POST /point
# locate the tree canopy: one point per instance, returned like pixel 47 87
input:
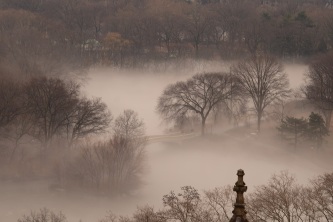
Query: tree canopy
pixel 263 80
pixel 198 95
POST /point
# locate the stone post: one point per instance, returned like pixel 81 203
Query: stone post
pixel 239 212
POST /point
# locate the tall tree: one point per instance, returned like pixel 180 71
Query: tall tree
pixel 198 95
pixel 49 101
pixel 130 127
pixel 264 81
pixel 279 200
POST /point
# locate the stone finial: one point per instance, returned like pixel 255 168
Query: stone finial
pixel 239 212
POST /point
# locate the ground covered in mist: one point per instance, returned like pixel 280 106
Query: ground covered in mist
pixel 203 163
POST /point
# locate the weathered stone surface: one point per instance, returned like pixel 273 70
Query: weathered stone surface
pixel 239 212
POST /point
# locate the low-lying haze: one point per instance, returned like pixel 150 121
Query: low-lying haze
pixel 171 163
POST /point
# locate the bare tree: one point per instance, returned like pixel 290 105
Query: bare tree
pixel 279 109
pixel 112 166
pixel 264 81
pixel 197 22
pixel 319 88
pixel 219 202
pixel 117 164
pixel 116 45
pixel 320 197
pixel 88 117
pixel 168 15
pixel 308 207
pixel 147 213
pixel 14 124
pixel 44 215
pixel 109 218
pixel 279 200
pixel 49 101
pixel 187 207
pixel 114 218
pixel 183 206
pixel 198 95
pixel 56 109
pixel 128 163
pixel 129 126
pixel 10 101
pixel 17 131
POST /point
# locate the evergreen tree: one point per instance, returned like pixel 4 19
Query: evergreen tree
pixel 292 129
pixel 317 129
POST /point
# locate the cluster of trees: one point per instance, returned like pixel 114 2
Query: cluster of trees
pixel 281 199
pixel 43 118
pixel 318 91
pixel 37 36
pixel 44 215
pixel 312 129
pixel 114 166
pixel 319 87
pixel 198 96
pixel 259 78
pixel 48 110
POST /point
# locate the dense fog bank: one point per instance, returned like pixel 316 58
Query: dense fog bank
pixel 172 162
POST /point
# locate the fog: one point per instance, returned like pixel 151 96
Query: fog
pixel 204 163
pixel 139 90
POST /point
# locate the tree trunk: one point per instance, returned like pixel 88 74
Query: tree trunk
pixel 203 124
pixel 196 50
pixel 259 121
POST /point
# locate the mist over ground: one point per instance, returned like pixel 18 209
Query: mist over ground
pixel 139 89
pixel 203 163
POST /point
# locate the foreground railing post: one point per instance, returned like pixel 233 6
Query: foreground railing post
pixel 239 212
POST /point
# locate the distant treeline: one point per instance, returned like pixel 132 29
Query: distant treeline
pixel 37 36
